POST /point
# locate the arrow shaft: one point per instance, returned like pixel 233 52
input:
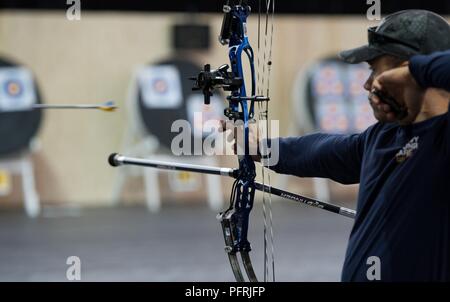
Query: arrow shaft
pixel 49 106
pixel 119 160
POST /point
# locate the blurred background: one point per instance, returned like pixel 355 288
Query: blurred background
pixel 60 198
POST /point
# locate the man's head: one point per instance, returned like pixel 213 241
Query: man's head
pixel 402 35
pixel 396 39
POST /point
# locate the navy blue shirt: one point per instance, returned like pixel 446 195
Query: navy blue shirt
pixel 431 70
pixel 403 209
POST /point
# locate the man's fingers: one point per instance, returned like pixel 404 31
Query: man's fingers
pixel 386 108
pixel 391 117
pixel 236 136
pixel 387 77
pixel 226 125
pixel 374 99
pixel 222 126
pixel 230 137
pixel 377 83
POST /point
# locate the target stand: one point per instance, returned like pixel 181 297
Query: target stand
pixel 19 125
pixel 158 95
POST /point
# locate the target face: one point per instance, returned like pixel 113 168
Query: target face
pixel 18 124
pixel 160 86
pixel 337 97
pixel 17 91
pixel 13 88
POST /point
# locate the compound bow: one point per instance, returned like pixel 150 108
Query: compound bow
pixel 241 108
pixel 235 220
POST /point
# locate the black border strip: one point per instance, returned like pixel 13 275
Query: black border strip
pixel 328 7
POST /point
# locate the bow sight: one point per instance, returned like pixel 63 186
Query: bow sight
pixel 208 80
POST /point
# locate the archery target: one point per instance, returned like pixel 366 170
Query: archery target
pixel 361 109
pixel 16 89
pixel 160 87
pixel 165 95
pixel 18 92
pixel 328 92
pixel 337 99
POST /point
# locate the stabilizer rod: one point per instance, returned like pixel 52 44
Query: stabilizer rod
pixel 116 160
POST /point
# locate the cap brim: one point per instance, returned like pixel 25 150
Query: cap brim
pixel 360 54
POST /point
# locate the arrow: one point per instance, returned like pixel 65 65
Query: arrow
pixel 107 106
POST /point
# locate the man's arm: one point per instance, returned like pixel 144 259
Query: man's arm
pixel 337 157
pixel 431 70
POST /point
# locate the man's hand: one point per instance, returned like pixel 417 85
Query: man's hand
pixel 236 136
pixel 399 84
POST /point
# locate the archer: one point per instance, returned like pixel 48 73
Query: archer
pixel 401 163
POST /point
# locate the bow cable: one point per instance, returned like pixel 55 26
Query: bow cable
pixel 263 116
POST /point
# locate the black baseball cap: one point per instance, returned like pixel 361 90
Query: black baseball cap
pixel 403 34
